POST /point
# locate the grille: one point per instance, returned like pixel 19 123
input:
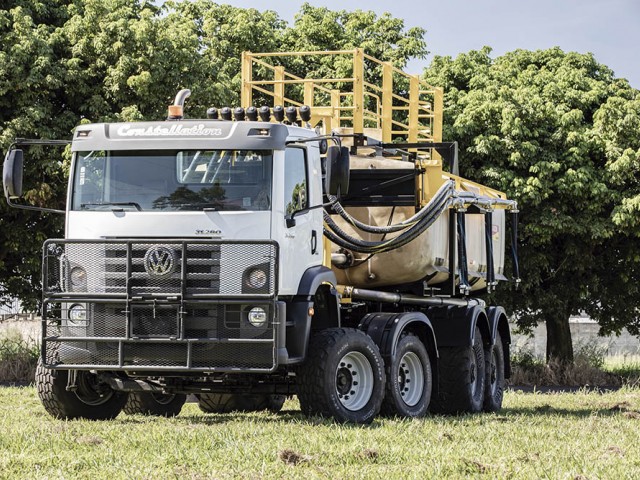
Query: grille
pixel 108 306
pixel 134 268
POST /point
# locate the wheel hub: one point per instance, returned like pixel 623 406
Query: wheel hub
pixel 410 378
pixel 354 381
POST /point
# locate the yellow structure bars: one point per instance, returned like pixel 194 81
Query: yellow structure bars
pixel 365 95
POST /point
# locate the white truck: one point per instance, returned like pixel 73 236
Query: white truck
pixel 248 259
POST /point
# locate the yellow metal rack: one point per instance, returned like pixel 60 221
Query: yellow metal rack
pixel 372 97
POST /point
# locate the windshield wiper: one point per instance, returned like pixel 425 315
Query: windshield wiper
pixel 206 206
pixel 114 204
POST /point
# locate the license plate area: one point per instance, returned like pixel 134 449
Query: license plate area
pixel 155 321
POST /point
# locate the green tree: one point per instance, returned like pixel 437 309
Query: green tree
pixel 559 133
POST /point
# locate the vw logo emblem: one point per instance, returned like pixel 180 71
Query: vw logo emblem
pixel 159 261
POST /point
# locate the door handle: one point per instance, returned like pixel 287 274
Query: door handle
pixel 314 242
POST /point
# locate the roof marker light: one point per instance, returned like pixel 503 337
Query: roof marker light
pixel 225 113
pixel 278 113
pixel 252 113
pixel 238 114
pixel 292 114
pixel 265 113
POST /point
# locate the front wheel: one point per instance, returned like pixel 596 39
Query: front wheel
pixel 91 399
pixel 156 404
pixel 409 379
pixel 343 376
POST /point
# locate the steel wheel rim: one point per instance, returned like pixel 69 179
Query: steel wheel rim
pixel 411 378
pixel 354 381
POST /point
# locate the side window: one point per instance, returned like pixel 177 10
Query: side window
pixel 295 179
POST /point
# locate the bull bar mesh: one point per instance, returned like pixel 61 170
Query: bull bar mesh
pixel 155 304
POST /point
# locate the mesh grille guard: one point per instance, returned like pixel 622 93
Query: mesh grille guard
pixel 156 304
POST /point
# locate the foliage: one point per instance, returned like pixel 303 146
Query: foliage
pixel 557 132
pixel 64 62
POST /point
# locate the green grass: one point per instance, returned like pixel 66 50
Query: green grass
pixel 18 357
pixel 579 435
pixel 625 366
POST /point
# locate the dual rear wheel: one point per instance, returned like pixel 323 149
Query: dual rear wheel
pixel 344 377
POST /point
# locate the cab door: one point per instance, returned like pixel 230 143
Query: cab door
pixel 302 242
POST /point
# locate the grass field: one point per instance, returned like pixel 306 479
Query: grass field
pixel 571 435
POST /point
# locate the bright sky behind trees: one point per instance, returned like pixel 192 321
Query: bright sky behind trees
pixel 608 29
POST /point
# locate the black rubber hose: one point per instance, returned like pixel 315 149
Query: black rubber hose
pixel 342 239
pixel 416 229
pixel 446 190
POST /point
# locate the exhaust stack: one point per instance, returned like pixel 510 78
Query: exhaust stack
pixel 176 111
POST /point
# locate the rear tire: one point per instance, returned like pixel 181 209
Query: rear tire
pixel 343 376
pixel 92 399
pixel 494 382
pixel 462 378
pixel 409 380
pixel 234 402
pixel 156 404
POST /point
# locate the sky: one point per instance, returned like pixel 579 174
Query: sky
pixel 610 29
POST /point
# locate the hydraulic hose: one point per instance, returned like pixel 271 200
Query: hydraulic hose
pixel 344 240
pixel 445 197
pixel 446 190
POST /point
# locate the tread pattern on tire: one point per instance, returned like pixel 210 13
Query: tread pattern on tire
pixel 233 402
pixel 389 407
pixel 145 404
pixel 493 403
pixel 49 384
pixel 311 390
pixel 454 393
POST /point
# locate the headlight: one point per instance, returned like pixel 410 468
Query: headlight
pixel 77 313
pixel 257 317
pixel 78 276
pixel 256 278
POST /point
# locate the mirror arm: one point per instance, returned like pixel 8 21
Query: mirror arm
pixel 37 209
pixel 290 219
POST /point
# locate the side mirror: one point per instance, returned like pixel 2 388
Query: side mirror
pixel 12 174
pixel 337 165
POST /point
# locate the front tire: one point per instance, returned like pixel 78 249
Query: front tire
pixel 156 404
pixel 409 380
pixel 91 399
pixel 343 376
pixel 494 383
pixel 462 378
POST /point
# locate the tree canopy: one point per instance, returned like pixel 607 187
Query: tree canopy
pixel 559 133
pixel 63 62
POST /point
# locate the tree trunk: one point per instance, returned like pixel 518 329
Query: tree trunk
pixel 559 344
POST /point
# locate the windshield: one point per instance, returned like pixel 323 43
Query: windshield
pixel 164 180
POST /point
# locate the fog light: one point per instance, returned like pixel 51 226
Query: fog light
pixel 257 317
pixel 78 276
pixel 257 278
pixel 77 313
